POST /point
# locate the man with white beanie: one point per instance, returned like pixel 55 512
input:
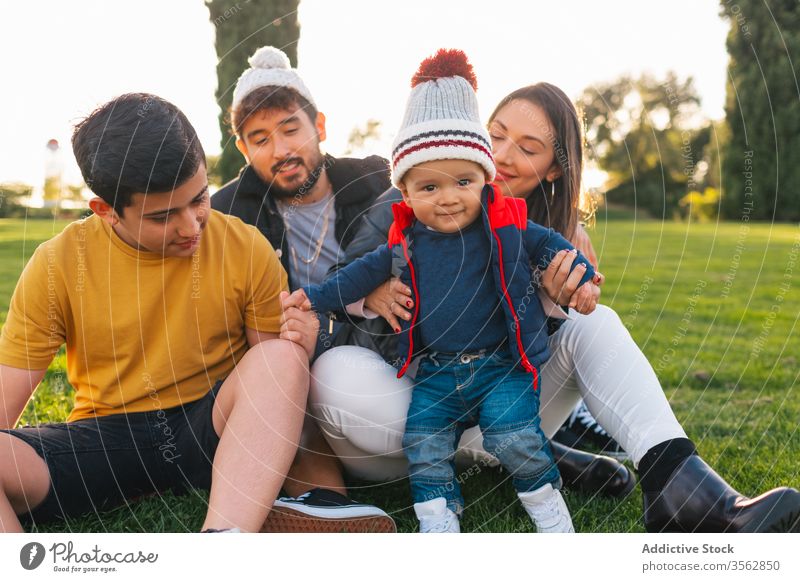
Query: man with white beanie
pixel 309 206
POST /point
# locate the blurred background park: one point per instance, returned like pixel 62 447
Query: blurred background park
pixel 692 118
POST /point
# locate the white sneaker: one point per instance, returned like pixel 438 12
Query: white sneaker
pixel 547 509
pixel 435 517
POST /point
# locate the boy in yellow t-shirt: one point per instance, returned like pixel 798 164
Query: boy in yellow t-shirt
pixel 171 317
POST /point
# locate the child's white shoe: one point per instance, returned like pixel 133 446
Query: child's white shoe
pixel 548 510
pixel 435 517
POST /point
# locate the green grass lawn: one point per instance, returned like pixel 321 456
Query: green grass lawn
pixel 714 307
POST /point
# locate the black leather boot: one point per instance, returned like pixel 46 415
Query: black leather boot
pixel 591 473
pixel 696 499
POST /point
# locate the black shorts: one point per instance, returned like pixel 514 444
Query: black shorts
pixel 97 463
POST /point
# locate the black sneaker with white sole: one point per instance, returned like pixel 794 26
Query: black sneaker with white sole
pixel 325 511
pixel 581 431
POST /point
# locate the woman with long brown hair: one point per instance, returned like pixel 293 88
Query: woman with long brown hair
pixel 361 406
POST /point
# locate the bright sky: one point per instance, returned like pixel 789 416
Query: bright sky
pixel 62 59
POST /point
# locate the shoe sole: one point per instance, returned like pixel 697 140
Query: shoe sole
pixel 285 520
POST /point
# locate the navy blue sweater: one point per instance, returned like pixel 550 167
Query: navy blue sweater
pixel 517 246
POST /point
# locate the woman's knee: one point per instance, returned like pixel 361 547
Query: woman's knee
pixel 356 397
pixel 603 316
pixel 359 381
pixel 599 330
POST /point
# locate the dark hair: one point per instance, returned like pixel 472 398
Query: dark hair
pixel 559 210
pixel 135 144
pixel 268 98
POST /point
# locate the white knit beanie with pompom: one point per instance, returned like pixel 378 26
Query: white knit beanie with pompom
pixel 269 67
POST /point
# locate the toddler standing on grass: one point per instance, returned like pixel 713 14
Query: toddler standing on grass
pixel 468 254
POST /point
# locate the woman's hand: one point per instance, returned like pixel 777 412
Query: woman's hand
pixel 299 323
pixel 583 243
pixel 560 285
pixel 391 300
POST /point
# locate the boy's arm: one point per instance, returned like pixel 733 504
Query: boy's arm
pixel 542 245
pixel 16 388
pixel 353 282
pixel 32 334
pixel 266 279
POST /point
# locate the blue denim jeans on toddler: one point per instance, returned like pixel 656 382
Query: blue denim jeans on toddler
pixel 456 391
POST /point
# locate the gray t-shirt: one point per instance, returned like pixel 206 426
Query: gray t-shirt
pixel 306 224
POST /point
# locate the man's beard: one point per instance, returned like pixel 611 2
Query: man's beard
pixel 303 189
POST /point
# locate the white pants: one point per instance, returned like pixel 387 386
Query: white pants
pixel 361 405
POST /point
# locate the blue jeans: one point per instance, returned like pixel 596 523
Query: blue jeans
pixel 452 394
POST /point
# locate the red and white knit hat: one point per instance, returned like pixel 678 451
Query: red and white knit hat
pixel 441 120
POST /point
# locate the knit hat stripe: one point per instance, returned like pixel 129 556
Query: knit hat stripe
pixel 440 143
pixel 440 133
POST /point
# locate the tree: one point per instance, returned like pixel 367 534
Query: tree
pixel 10 195
pixel 361 136
pixel 761 165
pixel 649 135
pixel 242 27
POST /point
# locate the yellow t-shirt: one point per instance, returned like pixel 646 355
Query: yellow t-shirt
pixel 143 332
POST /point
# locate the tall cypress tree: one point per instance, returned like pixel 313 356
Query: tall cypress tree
pixel 242 26
pixel 761 163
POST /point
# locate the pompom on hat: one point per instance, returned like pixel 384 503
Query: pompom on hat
pixel 269 67
pixel 441 120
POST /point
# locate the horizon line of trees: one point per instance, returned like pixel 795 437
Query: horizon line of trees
pixel 649 135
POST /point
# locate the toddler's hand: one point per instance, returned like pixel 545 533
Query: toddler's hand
pixel 299 323
pixel 584 300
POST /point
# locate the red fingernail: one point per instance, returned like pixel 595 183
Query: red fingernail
pixel 408 303
pixel 397 330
